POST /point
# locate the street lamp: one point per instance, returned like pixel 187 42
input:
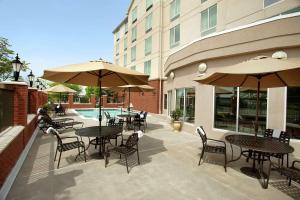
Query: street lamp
pixel 31 78
pixel 37 83
pixel 17 66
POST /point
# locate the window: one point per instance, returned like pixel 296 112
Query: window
pixel 209 20
pixel 147 67
pixel 117 61
pixel 117 48
pixel 202 1
pixel 133 53
pixel 174 9
pixel 235 109
pixel 165 101
pixel 117 35
pixel 133 67
pixel 270 2
pixel 185 101
pixel 125 59
pixel 125 44
pixel 148 46
pixel 293 112
pixel 126 28
pixel 134 15
pixel 149 4
pixel 133 34
pixel 148 24
pixel 174 36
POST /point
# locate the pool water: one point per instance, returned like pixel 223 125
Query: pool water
pixel 94 113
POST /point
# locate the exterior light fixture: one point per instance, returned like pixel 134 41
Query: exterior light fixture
pixel 279 55
pixel 172 75
pixel 17 66
pixel 31 78
pixel 38 83
pixel 202 68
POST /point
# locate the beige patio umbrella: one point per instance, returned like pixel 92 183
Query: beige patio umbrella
pixel 134 88
pixel 96 73
pixel 259 72
pixel 60 89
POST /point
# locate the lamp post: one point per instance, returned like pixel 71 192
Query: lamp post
pixel 37 83
pixel 17 66
pixel 31 78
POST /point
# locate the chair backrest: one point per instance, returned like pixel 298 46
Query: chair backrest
pixel 268 133
pixel 56 133
pixel 132 140
pixel 284 137
pixel 145 115
pixel 202 134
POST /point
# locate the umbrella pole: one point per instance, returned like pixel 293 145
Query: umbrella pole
pixel 59 98
pixel 100 99
pixel 257 105
pixel 128 100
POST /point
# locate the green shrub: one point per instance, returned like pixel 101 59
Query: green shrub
pixel 176 114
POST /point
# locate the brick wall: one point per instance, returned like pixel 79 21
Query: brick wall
pixel 148 101
pixel 11 153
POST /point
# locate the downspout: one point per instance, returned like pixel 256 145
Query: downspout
pixel 160 57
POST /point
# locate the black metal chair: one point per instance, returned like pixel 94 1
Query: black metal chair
pixel 292 173
pixel 211 146
pixel 139 122
pixel 119 123
pixel 61 147
pixel 128 149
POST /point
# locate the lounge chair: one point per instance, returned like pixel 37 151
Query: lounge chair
pixel 292 173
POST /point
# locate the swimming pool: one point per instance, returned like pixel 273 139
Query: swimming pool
pixel 94 113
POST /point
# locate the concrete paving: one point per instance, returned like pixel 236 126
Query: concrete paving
pixel 168 170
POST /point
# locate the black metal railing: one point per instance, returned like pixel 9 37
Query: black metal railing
pixel 6 108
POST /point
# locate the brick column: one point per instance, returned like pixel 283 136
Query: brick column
pixel 70 100
pixel 20 102
pixel 104 100
pixel 93 100
pixel 33 100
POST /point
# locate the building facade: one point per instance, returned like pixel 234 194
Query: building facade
pixel 185 35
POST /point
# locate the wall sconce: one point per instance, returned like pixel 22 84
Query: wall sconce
pixel 31 78
pixel 172 75
pixel 202 68
pixel 17 66
pixel 279 55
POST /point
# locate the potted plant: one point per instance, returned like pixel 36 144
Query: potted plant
pixel 175 115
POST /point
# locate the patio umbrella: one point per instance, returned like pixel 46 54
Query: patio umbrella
pixel 96 73
pixel 60 89
pixel 259 72
pixel 134 88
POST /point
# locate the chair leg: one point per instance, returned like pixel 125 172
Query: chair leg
pixel 287 160
pixel 201 156
pixel 84 154
pixel 59 159
pixel 55 154
pixel 225 160
pixel 138 156
pixel 290 182
pixel 126 163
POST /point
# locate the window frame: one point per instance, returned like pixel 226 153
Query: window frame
pixel 131 54
pixel 125 59
pixel 175 44
pixel 148 7
pixel 277 2
pixel 173 5
pixel 148 17
pixel 133 32
pixel 146 64
pixel 150 51
pixel 125 42
pixel 208 31
pixel 134 11
pixel 184 103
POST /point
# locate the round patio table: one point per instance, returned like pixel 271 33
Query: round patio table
pixel 101 135
pixel 262 146
pixel 128 117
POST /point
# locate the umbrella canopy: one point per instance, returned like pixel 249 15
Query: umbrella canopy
pixel 60 89
pixel 89 74
pixel 270 72
pixel 259 72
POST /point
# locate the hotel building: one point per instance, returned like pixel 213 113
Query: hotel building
pixel 174 40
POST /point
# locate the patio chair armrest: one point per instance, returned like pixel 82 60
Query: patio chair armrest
pixel 220 141
pixel 68 137
pixel 294 162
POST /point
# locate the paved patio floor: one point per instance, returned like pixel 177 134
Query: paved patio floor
pixel 169 170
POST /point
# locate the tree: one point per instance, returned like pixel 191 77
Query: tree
pixel 6 57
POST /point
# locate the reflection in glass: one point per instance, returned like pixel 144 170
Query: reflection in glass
pixel 247 110
pixel 225 108
pixel 189 105
pixel 180 99
pixel 293 112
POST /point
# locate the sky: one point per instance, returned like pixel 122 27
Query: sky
pixel 52 33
